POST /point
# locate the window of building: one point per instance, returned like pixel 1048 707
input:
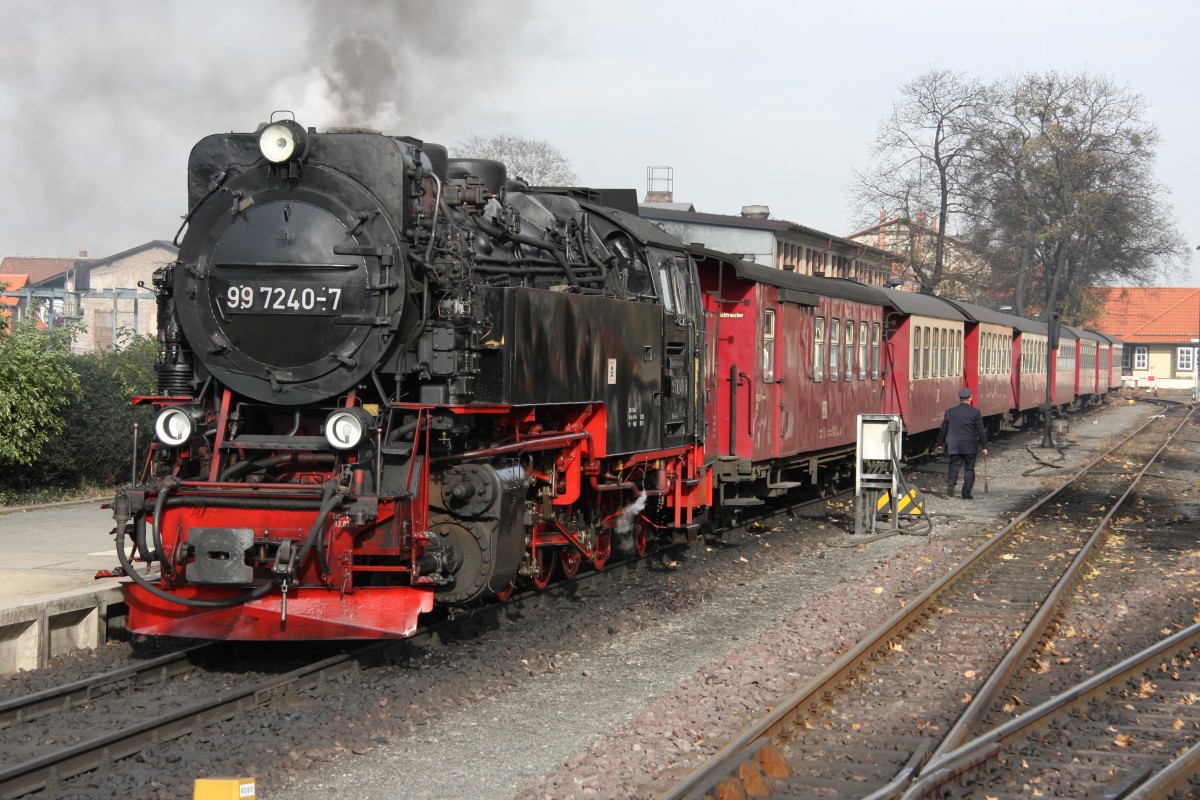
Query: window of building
pixel 1185 358
pixel 1126 359
pixel 835 338
pixel 819 348
pixel 1141 358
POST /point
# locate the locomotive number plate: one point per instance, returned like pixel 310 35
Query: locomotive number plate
pixel 282 298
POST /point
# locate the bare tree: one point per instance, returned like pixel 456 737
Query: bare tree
pixel 916 159
pixel 536 162
pixel 1061 187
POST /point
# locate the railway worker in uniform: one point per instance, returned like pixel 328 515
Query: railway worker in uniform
pixel 963 435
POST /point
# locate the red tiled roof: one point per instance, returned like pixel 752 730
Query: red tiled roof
pixel 1150 313
pixel 10 283
pixel 38 269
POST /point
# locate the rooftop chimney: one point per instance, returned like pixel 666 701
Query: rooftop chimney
pixel 660 184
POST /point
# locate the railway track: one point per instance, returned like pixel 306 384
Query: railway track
pixel 182 692
pixel 921 685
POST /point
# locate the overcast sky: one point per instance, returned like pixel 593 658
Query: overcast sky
pixel 768 103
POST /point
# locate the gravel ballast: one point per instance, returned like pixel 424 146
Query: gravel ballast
pixel 622 707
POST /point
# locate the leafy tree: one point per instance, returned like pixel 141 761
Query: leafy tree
pixel 1050 177
pixel 537 162
pixel 916 162
pixel 1062 193
pixel 36 382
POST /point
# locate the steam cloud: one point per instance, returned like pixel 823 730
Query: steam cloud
pixel 100 103
pixel 629 513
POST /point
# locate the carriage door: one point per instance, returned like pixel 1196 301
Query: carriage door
pixel 681 393
pixel 766 414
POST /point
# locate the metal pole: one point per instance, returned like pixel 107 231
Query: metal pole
pixel 134 460
pixel 1051 350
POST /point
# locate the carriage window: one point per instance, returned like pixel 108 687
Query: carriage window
pixel 935 369
pixel 862 350
pixel 849 349
pixel 875 350
pixel 818 348
pixel 835 349
pixel 768 346
pixel 944 358
pixel 916 357
pixel 928 353
pixel 958 356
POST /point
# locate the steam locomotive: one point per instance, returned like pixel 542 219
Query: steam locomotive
pixel 390 380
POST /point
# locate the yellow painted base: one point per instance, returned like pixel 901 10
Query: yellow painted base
pixel 224 789
pixel 911 503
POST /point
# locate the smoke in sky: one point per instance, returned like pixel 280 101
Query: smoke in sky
pixel 100 103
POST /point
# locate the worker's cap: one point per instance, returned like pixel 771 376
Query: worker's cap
pixel 964 394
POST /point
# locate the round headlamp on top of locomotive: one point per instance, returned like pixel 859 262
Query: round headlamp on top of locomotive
pixel 292 280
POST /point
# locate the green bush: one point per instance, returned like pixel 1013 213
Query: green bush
pixel 36 382
pixel 94 443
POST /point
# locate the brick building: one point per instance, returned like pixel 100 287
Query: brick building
pixel 103 294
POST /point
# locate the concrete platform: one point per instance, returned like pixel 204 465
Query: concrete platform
pixel 50 600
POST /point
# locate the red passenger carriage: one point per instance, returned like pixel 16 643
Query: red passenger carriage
pixel 925 350
pixel 797 359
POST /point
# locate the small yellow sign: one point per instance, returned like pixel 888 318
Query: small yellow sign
pixel 224 789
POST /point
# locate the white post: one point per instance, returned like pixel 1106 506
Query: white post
pixel 1195 370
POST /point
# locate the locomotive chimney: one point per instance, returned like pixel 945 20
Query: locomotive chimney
pixel 756 212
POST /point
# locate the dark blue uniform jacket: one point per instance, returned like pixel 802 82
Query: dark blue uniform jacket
pixel 961 429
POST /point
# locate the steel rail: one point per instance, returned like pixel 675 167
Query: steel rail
pixel 60 698
pixel 983 699
pixel 45 771
pixel 813 693
pixel 990 744
pixel 988 694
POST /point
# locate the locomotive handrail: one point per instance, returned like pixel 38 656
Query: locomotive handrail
pixel 524 446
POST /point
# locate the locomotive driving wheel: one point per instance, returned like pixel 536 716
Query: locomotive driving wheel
pixel 641 539
pixel 505 594
pixel 570 561
pixel 545 559
pixel 602 549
